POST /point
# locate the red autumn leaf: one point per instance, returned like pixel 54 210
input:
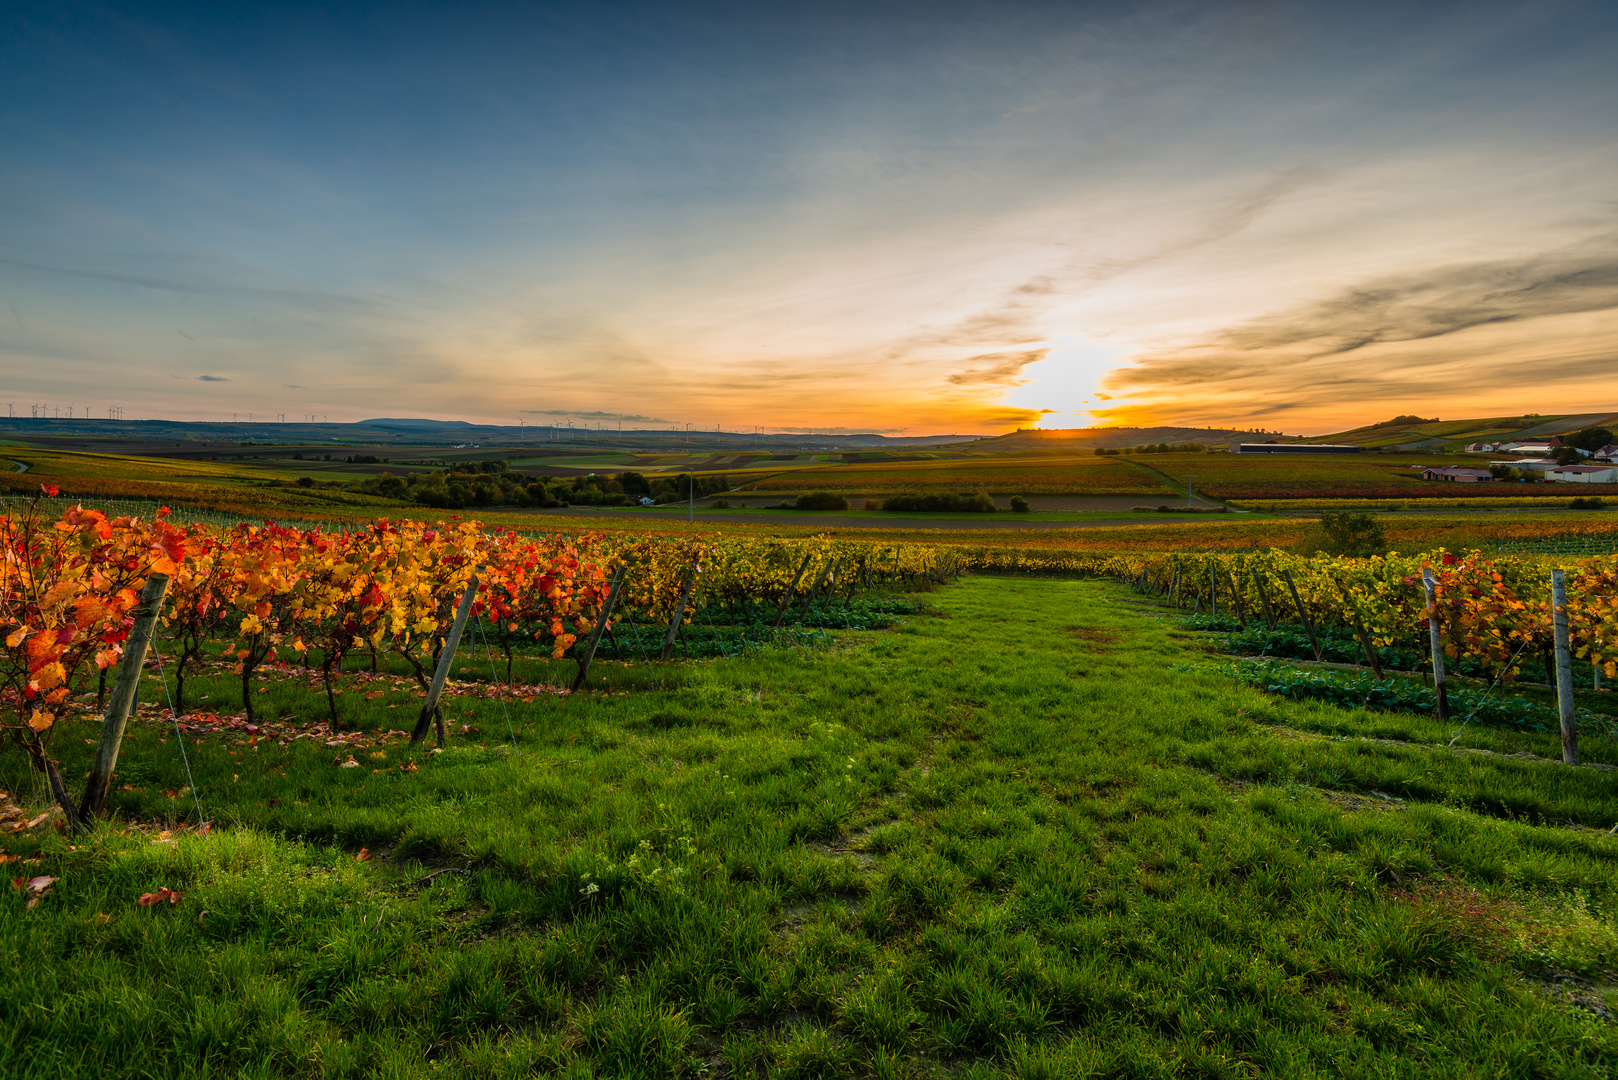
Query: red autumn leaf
pixel 173 896
pixel 363 856
pixel 49 490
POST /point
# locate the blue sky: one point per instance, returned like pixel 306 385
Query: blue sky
pixel 903 217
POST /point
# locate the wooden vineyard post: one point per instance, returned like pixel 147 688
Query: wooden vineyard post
pixel 1174 584
pixel 429 707
pixel 1303 616
pixel 1361 633
pixel 1213 590
pixel 601 625
pixel 1564 670
pixel 123 700
pixel 814 591
pixel 1236 596
pixel 781 612
pixel 1436 643
pixel 1264 598
pixel 679 612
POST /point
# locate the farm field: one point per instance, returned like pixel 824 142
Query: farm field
pixel 999 475
pixel 1252 480
pixel 238 488
pixel 1027 832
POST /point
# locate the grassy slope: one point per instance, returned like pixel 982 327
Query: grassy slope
pixel 1455 433
pixel 1013 839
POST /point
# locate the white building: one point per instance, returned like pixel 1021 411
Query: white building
pixel 1584 474
pixel 1527 464
pixel 1455 475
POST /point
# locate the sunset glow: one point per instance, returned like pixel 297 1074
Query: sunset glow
pixel 906 219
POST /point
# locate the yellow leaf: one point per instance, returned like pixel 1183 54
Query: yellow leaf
pixel 16 637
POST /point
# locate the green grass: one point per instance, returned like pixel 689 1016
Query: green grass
pixel 1006 839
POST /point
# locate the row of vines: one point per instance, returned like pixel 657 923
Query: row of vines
pixel 1493 612
pixel 262 596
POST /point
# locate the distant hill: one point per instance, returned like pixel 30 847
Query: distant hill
pixel 1455 434
pixel 419 431
pixel 418 425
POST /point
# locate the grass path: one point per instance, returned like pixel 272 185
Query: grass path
pixel 1025 836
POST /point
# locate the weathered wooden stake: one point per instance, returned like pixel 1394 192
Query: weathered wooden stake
pixel 679 612
pixel 781 612
pixel 1564 670
pixel 1303 616
pixel 1361 634
pixel 1236 596
pixel 429 707
pixel 1436 643
pixel 1213 589
pixel 601 625
pixel 1264 598
pixel 123 697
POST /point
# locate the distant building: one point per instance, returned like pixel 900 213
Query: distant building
pixel 1584 474
pixel 1606 453
pixel 1532 464
pixel 1294 448
pixel 1458 476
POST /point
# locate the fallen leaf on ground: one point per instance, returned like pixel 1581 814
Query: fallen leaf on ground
pixel 33 888
pixel 173 896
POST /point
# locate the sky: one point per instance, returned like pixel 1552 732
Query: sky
pixel 909 218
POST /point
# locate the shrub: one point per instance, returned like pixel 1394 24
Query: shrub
pixel 978 503
pixel 1356 535
pixel 1594 502
pixel 1019 505
pixel 822 500
pixel 721 504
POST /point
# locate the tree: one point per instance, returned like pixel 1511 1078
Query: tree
pixel 1569 455
pixel 1590 438
pixel 1358 535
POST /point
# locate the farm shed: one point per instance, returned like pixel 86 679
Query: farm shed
pixel 1527 464
pixel 1295 448
pixel 1456 475
pixel 1584 474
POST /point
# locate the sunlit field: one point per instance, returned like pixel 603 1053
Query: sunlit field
pixel 1042 475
